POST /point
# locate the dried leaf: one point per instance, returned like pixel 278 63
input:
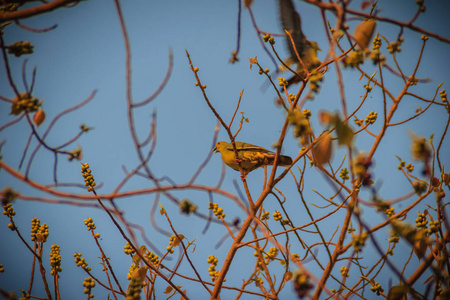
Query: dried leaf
pixel 365 4
pixel 344 132
pixel 326 118
pixel 323 149
pixel 420 244
pixel 288 275
pixel 39 117
pixel 177 240
pixel 168 290
pixel 363 33
pixel 397 292
pixel 139 274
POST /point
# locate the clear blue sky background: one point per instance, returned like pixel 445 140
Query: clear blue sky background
pixel 85 53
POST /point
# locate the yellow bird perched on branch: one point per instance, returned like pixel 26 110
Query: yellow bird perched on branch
pixel 307 50
pixel 250 156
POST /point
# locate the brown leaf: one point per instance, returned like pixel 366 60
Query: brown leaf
pixel 288 275
pixel 344 132
pixel 420 244
pixel 397 292
pixel 365 4
pixel 168 290
pixel 39 117
pixel 323 149
pixel 177 240
pixel 326 118
pixel 363 33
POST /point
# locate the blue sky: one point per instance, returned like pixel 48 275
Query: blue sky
pixel 86 53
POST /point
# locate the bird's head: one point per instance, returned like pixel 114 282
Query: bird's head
pixel 220 146
pixel 315 46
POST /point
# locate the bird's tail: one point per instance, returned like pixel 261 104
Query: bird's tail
pixel 283 160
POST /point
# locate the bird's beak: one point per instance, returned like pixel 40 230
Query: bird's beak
pixel 215 150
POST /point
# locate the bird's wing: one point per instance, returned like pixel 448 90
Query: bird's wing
pixel 290 21
pixel 246 147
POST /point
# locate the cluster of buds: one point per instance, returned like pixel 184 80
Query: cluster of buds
pixel 302 283
pixel 55 260
pixel 258 281
pixel 434 227
pixel 24 102
pixel 375 55
pixel 299 120
pixel 344 174
pixel 376 44
pixel 361 164
pixel 218 211
pixel 171 242
pixel 8 195
pixel 76 154
pixel 273 252
pixel 131 270
pixel 38 232
pixel 277 216
pixel 88 284
pixel 395 46
pixel 152 257
pixel 90 224
pixel 295 257
pixel 420 187
pixel 212 268
pixel 371 117
pixel 187 207
pixel 134 289
pixel 88 177
pixel 344 271
pixel 390 211
pixel 421 4
pixel 443 96
pixel 394 238
pixel 265 71
pixel 354 59
pixel 409 167
pixel 282 81
pixel 20 48
pixel 81 262
pixel 265 216
pixel 413 81
pixel 376 288
pixel 269 38
pixel 314 82
pixel 421 220
pixel 8 210
pixel 128 249
pixel 359 241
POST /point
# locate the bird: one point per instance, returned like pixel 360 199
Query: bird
pixel 307 50
pixel 250 156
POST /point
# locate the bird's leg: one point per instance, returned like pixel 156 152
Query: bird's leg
pixel 243 177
